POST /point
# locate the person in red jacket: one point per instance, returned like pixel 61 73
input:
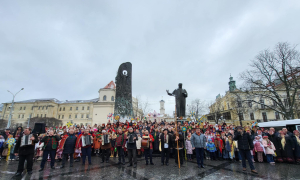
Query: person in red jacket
pixel 120 144
pixel 148 151
pixel 85 149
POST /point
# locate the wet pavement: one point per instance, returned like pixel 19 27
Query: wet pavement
pixel 213 170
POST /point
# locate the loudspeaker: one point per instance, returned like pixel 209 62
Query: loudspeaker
pixel 39 128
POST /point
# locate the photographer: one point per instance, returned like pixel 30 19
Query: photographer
pixel 245 144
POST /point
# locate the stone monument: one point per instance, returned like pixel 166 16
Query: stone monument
pixel 123 102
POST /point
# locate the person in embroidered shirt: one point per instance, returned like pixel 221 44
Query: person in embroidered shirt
pixel 85 148
pixel 105 145
pixel 148 151
pixel 120 144
pixel 50 145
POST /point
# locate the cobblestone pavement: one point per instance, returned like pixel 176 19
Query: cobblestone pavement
pixel 213 170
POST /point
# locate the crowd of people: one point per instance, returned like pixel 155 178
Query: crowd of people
pixel 184 141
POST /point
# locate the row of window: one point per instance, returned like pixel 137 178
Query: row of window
pixel 71 108
pixel 70 116
pixel 264 115
pixel 261 102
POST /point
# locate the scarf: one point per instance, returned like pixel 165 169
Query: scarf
pixel 283 142
pixel 166 138
pixel 298 140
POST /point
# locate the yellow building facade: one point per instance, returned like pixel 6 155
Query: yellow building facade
pixel 87 112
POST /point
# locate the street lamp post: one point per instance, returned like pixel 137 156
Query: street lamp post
pixel 12 105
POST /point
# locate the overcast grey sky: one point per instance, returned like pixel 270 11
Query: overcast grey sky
pixel 70 49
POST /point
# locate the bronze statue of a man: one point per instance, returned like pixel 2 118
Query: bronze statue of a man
pixel 180 95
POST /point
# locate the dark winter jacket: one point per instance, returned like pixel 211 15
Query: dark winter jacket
pixel 162 140
pixel 70 144
pixel 244 141
pixel 25 150
pixel 180 141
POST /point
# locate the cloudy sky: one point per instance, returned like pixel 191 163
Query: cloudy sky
pixel 70 49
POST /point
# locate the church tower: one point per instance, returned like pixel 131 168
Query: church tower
pixel 231 84
pixel 162 107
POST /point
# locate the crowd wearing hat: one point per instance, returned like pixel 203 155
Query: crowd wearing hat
pixel 183 141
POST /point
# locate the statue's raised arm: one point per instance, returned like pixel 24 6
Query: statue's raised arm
pixel 170 94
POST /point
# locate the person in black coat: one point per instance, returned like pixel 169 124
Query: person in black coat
pixel 178 137
pixel 25 152
pixel 296 140
pixel 131 147
pixel 68 147
pixel 166 143
pixel 245 144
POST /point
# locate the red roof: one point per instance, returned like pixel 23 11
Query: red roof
pixel 110 85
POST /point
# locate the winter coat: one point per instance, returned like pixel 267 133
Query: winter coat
pixel 270 149
pixel 69 145
pixel 244 141
pixel 297 147
pixel 132 145
pixel 162 141
pixel 258 146
pixel 188 146
pixel 156 141
pixel 180 141
pixel 198 141
pixel 211 147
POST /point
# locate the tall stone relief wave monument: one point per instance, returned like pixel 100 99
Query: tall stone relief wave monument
pixel 123 102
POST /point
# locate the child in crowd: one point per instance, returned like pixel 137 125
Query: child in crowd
pixel 211 148
pixel 188 145
pixel 258 148
pixel 270 149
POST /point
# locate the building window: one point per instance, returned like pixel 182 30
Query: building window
pixel 62 116
pixel 262 104
pixel 250 104
pixel 24 108
pixel 39 107
pixel 58 116
pixel 70 116
pixel 30 115
pixel 228 106
pixel 112 98
pixel 23 116
pixel 274 103
pixel 20 108
pixel 252 116
pixel 104 98
pixel 87 116
pixel 285 102
pixel 59 109
pixel 81 116
pixel 277 116
pixel 88 108
pixel 75 116
pixel 76 108
pixel 43 107
pixel 70 108
pixel 241 116
pixel 239 104
pixel 37 115
pixel 32 108
pixel 46 107
pixel 82 107
pixel 41 115
pixel 45 115
pixel 64 109
pixel 19 116
pixel 264 115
